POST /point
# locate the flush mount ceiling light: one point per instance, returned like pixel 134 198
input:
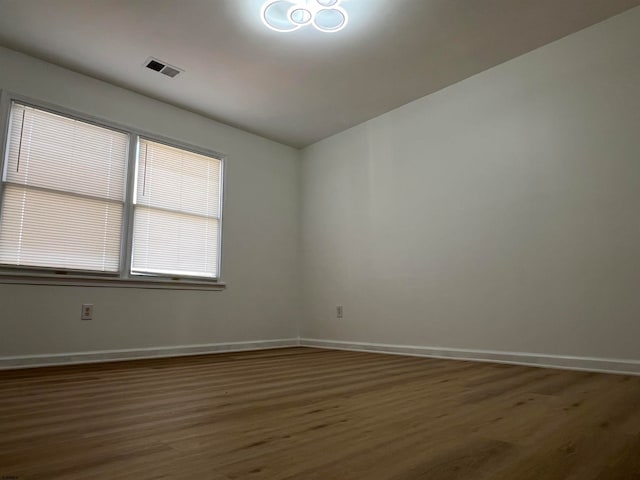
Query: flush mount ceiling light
pixel 290 15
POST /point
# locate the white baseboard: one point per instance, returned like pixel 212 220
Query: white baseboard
pixel 605 365
pixel 28 361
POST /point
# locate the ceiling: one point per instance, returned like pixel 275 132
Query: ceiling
pixel 295 88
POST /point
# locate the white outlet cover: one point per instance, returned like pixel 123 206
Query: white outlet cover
pixel 87 311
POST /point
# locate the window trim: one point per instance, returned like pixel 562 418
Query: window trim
pixel 124 278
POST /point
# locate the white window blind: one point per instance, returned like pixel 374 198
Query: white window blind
pixel 63 193
pixel 176 224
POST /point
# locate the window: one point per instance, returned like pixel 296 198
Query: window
pixel 79 198
pixel 177 212
pixel 63 193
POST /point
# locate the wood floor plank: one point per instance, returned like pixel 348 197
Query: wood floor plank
pixel 302 413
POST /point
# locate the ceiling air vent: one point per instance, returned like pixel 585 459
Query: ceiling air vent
pixel 162 67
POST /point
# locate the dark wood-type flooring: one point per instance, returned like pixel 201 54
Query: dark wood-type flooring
pixel 315 414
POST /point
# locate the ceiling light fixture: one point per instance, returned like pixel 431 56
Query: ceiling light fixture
pixel 290 15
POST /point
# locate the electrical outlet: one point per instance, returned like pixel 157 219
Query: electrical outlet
pixel 339 312
pixel 87 311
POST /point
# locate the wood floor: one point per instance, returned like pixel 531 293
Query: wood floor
pixel 317 414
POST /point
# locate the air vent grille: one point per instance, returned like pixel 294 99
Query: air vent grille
pixel 170 71
pixel 162 67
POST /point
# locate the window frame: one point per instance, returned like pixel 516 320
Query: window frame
pixel 123 278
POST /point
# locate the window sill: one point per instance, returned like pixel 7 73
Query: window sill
pixel 88 281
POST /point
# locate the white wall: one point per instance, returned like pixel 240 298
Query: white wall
pixel 260 251
pixel 501 213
